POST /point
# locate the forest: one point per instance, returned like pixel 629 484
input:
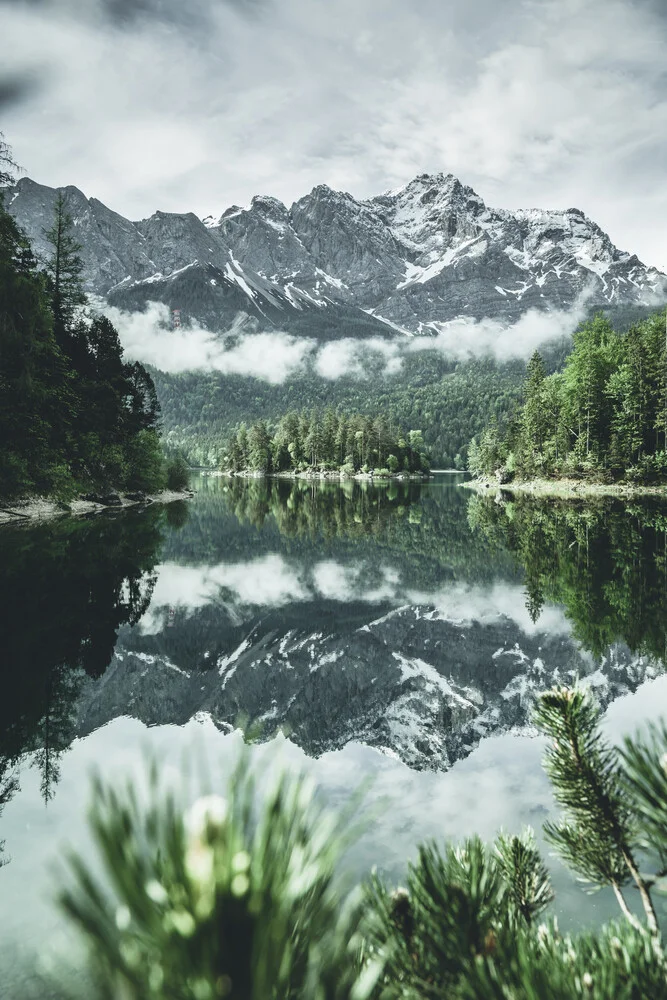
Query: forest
pixel 451 400
pixel 74 415
pixel 348 443
pixel 603 417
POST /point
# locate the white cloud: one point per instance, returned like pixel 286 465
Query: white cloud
pixel 551 103
pixel 146 337
pixel 273 581
pixel 275 356
pixel 352 357
pixel 466 603
pixel 265 582
pixel 466 338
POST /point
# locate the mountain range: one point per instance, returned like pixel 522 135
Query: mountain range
pixel 331 265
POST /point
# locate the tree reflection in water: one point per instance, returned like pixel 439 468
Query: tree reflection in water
pixel 67 587
pixel 605 562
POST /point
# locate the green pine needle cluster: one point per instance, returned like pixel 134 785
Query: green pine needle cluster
pixel 244 896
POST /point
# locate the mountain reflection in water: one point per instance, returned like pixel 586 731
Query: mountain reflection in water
pixel 397 631
pixel 413 618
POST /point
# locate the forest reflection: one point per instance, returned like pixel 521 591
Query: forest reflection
pixel 67 587
pixel 604 561
pixel 317 508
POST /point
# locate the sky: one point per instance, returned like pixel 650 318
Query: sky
pixel 160 104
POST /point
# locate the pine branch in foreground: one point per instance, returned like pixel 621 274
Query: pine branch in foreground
pixel 241 897
pixel 214 902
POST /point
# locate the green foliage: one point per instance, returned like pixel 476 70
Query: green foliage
pixel 644 780
pixel 524 873
pixel 145 462
pixel 178 474
pixel 603 561
pixel 64 268
pixel 73 415
pixel 450 401
pixel 604 415
pixel 88 578
pixel 215 903
pixel 329 441
pixel 595 838
pixel 240 897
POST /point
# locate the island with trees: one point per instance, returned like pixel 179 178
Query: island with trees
pixel 326 445
pixel 599 424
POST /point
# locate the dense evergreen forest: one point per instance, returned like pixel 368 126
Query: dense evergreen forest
pixel 73 415
pixel 452 401
pixel 604 416
pixel 347 443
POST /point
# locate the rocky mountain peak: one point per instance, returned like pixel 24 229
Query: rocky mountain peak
pixel 419 255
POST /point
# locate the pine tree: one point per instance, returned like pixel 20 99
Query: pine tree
pixel 64 268
pixel 533 417
pixel 242 901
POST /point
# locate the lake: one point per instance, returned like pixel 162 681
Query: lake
pixel 395 634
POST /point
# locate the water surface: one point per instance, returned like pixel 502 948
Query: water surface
pixel 397 633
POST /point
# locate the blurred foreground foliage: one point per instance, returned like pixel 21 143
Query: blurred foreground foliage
pixel 231 898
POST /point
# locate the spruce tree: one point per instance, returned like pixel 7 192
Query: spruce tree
pixel 64 268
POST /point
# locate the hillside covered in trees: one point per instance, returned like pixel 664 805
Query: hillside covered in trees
pixel 331 441
pixel 73 414
pixel 604 416
pixel 451 400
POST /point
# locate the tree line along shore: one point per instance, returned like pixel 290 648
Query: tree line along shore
pixel 328 444
pixel 597 426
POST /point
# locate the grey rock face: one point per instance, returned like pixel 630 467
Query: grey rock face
pixel 417 257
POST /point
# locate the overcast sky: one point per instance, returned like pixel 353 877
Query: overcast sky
pixel 163 104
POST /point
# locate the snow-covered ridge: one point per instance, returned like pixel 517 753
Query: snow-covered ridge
pixel 418 256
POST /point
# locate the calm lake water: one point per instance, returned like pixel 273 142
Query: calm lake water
pixel 394 633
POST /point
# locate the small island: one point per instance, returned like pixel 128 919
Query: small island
pixel 598 427
pixel 329 445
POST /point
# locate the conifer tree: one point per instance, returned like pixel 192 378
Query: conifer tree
pixel 64 268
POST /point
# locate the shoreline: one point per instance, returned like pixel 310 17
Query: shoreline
pixel 330 475
pixel 34 509
pixel 566 489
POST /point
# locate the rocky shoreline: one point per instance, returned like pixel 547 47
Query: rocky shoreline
pixel 566 489
pixel 44 508
pixel 332 475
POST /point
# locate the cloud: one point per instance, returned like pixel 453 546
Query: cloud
pixel 355 357
pixel 273 581
pixel 146 337
pixel 464 603
pixel 275 356
pixel 551 103
pixel 467 338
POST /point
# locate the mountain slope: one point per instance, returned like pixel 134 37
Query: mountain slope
pixel 414 258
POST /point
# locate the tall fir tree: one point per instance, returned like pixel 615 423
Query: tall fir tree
pixel 64 268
